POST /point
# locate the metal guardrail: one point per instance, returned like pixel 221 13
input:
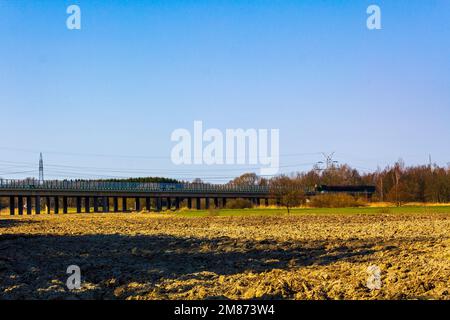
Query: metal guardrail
pixel 74 185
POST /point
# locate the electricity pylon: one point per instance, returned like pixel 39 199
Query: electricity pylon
pixel 41 169
pixel 329 162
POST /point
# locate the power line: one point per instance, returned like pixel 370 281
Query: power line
pixel 147 170
pixel 127 156
pixel 17 172
pixel 205 172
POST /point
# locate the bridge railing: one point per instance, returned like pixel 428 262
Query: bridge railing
pixel 76 185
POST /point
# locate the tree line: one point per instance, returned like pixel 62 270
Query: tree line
pixel 396 183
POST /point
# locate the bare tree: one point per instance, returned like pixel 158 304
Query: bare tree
pixel 287 191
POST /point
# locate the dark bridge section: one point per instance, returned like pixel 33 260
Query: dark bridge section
pixel 354 190
pixel 90 196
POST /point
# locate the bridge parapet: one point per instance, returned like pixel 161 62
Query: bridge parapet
pixel 103 186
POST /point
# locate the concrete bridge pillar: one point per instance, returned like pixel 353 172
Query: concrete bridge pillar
pixel 177 203
pixel 169 203
pixel 266 200
pixel 278 202
pixel 105 204
pixel 87 205
pixel 116 204
pixel 224 202
pixel 124 204
pixel 20 205
pixel 148 205
pixel 158 204
pixel 48 204
pixel 65 204
pixel 138 204
pixel 198 203
pixel 29 205
pixel 37 203
pixel 189 203
pixel 78 201
pixel 207 203
pixel 216 202
pixel 95 200
pixel 12 207
pixel 56 209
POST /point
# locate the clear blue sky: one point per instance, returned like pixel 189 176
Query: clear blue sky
pixel 109 95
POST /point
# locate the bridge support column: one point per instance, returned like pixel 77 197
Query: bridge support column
pixel 95 204
pixel 177 203
pixel 29 205
pixel 87 205
pixel 48 204
pixel 198 203
pixel 65 205
pixel 266 200
pixel 148 205
pixel 224 202
pixel 12 207
pixel 57 205
pixel 168 203
pixel 116 204
pixel 20 205
pixel 216 203
pixel 37 204
pixel 124 204
pixel 105 204
pixel 278 202
pixel 78 200
pixel 158 204
pixel 206 203
pixel 189 203
pixel 137 204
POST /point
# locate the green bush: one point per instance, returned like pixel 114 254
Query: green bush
pixel 335 200
pixel 239 204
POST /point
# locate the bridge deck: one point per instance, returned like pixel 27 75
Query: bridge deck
pixel 57 187
pixel 29 194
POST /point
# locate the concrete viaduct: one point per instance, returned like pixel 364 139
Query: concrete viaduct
pixel 89 196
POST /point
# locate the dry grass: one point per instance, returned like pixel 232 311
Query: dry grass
pixel 150 256
pixel 408 204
